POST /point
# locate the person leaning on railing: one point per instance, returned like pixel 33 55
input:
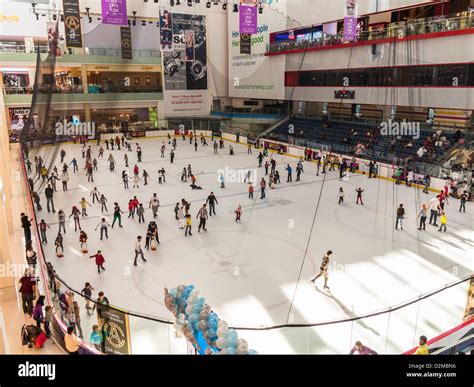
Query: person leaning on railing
pixel 423 347
pixel 360 349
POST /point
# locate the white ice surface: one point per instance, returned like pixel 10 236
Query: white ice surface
pixel 250 272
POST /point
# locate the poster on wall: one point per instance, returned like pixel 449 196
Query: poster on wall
pixel 245 46
pixel 115 330
pixel 126 42
pixel 114 12
pixel 53 39
pixel 254 75
pixel 184 54
pixel 72 23
pixel 350 28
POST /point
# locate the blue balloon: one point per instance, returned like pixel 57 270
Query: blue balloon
pixel 252 352
pixel 193 317
pixel 212 324
pixel 173 292
pixel 212 332
pixel 230 351
pixel 189 288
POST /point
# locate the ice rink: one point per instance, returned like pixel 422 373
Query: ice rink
pixel 257 272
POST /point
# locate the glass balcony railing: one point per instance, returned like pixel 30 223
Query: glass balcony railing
pixel 393 30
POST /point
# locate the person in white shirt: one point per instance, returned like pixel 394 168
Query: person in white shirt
pixel 138 250
pixel 71 341
pixel 433 205
pixel 64 180
pixel 154 204
pixel 103 228
pixel 95 195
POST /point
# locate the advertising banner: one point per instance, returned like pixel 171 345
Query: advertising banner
pixel 248 19
pixel 350 28
pixel 115 330
pixel 126 42
pixel 72 23
pixel 114 12
pixel 184 54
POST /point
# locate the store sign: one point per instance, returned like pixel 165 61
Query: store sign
pixel 72 23
pixel 115 331
pixel 8 18
pixel 248 19
pixel 245 46
pixel 114 12
pixel 126 42
pixel 344 94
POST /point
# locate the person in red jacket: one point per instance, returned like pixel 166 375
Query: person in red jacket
pixel 99 260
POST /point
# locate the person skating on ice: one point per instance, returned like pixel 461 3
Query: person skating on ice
pixel 323 270
pixel 188 226
pixel 435 209
pixel 359 196
pixel 176 211
pixel 103 203
pixel 62 220
pixel 125 179
pixel 400 216
pixel 263 185
pixel 36 199
pixel 154 205
pixel 75 214
pixel 184 175
pixel 162 174
pixel 203 217
pixel 83 241
pixel 111 161
pixel 238 213
pixel 125 157
pixel 145 176
pixel 222 180
pixel 215 146
pixel 117 215
pixel 463 200
pixel 136 179
pixel 99 260
pixel 171 156
pixel 163 148
pixel 190 171
pixel 75 168
pixel 195 146
pixel 43 226
pixel 58 242
pixel 231 150
pixel 141 213
pixel 340 195
pixel 49 193
pixel 104 228
pixel 84 203
pixel 299 169
pixel 87 293
pixel 138 250
pixel 212 201
pixel 443 222
pixel 250 191
pixel 95 195
pixel 267 165
pixel 423 214
pixel 131 209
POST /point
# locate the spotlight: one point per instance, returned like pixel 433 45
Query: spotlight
pixel 224 6
pixel 235 8
pixel 190 3
pixel 87 11
pixel 61 17
pixel 260 9
pixel 34 6
pixel 134 23
pixel 178 2
pixel 156 1
pixel 208 4
pixel 158 24
pixel 55 17
pixel 37 16
pixel 145 1
pixel 171 3
pixel 90 19
pixel 143 22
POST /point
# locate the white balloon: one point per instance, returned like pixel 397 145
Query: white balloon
pixel 222 332
pixel 222 324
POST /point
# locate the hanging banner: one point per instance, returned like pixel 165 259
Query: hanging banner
pixel 72 23
pixel 248 19
pixel 53 39
pixel 189 39
pixel 114 12
pixel 245 46
pixel 350 28
pixel 126 42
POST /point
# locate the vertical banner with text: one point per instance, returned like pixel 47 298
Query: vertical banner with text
pixel 248 18
pixel 114 12
pixel 245 46
pixel 126 42
pixel 115 330
pixel 72 23
pixel 350 21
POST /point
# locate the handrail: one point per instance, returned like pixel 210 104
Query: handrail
pixel 258 328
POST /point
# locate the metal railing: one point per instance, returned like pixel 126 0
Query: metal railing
pixel 393 30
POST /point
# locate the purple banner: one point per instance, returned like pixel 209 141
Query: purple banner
pixel 114 12
pixel 350 28
pixel 248 20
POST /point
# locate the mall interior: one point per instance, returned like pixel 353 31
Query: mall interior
pixel 284 75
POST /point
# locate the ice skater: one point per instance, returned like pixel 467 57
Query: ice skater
pixel 75 214
pixel 62 221
pixel 84 203
pixel 423 214
pixel 138 250
pixel 99 260
pixel 43 226
pixel 103 203
pixel 238 213
pixel 117 215
pixel 154 205
pixel 263 184
pixel 323 270
pixel 104 228
pixel 188 226
pixel 341 196
pixel 400 216
pixel 443 222
pixel 203 217
pixel 95 195
pixel 359 196
pixel 141 213
pixel 125 179
pixel 212 201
